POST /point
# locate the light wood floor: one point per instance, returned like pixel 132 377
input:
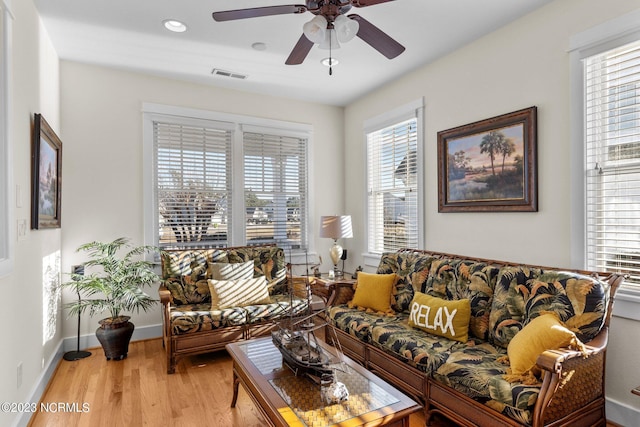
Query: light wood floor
pixel 137 392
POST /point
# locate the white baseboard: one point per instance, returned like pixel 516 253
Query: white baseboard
pixel 70 344
pixel 41 384
pixel 622 414
pixel 89 341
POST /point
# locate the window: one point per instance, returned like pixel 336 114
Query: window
pixel 393 178
pixel 6 236
pixel 220 180
pixel 612 138
pixel 193 192
pixel 275 185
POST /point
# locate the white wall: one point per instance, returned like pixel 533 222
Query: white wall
pixel 102 125
pixel 523 64
pixel 34 86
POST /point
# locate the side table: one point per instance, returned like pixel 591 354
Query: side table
pixel 338 290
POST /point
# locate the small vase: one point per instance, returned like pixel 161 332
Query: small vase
pixel 114 335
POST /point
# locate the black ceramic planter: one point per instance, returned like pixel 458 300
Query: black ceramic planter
pixel 114 335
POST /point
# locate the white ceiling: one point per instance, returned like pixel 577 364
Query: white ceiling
pixel 129 34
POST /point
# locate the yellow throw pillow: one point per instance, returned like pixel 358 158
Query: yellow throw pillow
pixel 373 291
pixel 545 332
pixel 238 293
pixel 440 317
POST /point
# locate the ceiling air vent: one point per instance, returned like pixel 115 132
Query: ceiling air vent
pixel 224 73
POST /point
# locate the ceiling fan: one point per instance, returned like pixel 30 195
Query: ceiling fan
pixel 329 15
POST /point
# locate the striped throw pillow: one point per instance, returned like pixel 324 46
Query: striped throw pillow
pixel 238 293
pixel 230 271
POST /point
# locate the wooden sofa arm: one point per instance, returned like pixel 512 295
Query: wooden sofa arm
pixel 165 295
pixel 570 380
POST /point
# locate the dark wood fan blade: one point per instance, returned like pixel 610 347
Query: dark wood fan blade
pixel 300 51
pixel 365 3
pixel 377 38
pixel 230 15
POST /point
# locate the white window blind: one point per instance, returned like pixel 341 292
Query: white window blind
pixel 612 132
pixel 392 170
pixel 275 189
pixel 193 170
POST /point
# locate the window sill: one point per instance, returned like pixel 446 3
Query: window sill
pixel 627 303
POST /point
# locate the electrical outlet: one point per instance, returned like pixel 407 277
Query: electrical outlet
pixel 22 229
pixel 19 375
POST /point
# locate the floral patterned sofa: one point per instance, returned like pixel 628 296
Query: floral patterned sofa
pixel 194 324
pixel 471 382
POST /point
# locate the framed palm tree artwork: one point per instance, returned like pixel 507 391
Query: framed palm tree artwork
pixel 490 165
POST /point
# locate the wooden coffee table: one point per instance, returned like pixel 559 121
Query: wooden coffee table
pixel 287 400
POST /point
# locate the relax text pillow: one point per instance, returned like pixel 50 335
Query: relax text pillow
pixel 440 317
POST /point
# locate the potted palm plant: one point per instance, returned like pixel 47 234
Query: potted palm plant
pixel 115 287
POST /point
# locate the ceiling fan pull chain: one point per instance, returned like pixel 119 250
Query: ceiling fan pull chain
pixel 330 56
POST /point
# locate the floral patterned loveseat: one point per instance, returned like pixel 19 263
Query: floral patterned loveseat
pixel 194 324
pixel 471 382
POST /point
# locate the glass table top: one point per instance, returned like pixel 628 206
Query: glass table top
pixel 304 396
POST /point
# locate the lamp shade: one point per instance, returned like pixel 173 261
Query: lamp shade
pixel 336 227
pixel 316 29
pixel 346 29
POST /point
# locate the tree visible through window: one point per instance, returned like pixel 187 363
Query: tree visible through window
pixel 216 184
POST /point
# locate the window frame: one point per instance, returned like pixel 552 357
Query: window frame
pixel 7 235
pixel 411 110
pixel 239 123
pixel 606 36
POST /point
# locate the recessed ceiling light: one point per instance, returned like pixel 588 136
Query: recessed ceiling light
pixel 174 25
pixel 259 46
pixel 329 62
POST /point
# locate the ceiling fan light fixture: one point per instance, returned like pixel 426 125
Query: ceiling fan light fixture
pixel 330 41
pixel 316 29
pixel 346 29
pixel 174 25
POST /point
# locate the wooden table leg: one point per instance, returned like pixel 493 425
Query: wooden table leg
pixel 236 383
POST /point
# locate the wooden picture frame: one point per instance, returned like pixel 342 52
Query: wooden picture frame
pixel 46 176
pixel 490 165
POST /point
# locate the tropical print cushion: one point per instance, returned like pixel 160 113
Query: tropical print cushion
pixel 477 372
pixel 185 290
pixel 268 261
pixel 523 294
pixel 183 263
pixel 507 309
pixel 579 301
pixel 280 306
pixel 356 322
pixel 189 318
pixel 402 264
pixel 419 349
pixel 455 279
pixel 422 269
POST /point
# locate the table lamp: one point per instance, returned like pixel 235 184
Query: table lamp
pixel 336 227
